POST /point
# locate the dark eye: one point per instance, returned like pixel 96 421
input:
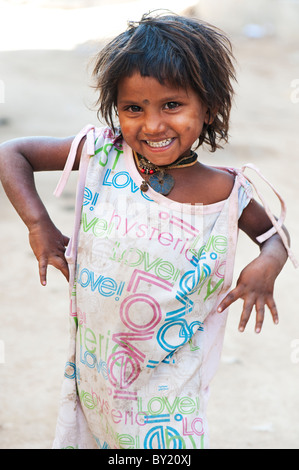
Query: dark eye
pixel 172 105
pixel 134 108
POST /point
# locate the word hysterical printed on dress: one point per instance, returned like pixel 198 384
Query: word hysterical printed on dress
pixel 148 274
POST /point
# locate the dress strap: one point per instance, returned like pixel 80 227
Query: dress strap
pixel 87 151
pixel 88 132
pixel 277 224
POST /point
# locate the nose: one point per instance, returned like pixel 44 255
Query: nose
pixel 153 124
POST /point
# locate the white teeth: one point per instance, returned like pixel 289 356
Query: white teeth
pixel 162 143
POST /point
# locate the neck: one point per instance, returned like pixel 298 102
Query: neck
pixel 147 167
pixel 158 178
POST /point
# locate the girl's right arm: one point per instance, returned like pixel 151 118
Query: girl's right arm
pixel 19 159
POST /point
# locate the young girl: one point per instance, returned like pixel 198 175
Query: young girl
pixel 151 257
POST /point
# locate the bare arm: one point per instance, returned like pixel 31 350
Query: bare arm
pixel 19 159
pixel 255 284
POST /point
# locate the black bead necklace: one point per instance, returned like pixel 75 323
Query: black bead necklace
pixel 159 180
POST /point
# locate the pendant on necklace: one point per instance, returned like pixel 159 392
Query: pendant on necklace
pixel 144 186
pixel 161 182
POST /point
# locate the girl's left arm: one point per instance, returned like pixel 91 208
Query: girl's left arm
pixel 255 284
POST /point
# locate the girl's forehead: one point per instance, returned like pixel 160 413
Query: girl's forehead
pixel 148 91
pixel 148 85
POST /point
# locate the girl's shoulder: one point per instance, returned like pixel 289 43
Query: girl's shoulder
pixel 218 182
pixel 202 184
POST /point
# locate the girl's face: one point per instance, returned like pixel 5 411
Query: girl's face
pixel 160 122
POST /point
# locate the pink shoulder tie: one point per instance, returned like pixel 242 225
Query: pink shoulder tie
pixel 87 151
pixel 88 132
pixel 277 224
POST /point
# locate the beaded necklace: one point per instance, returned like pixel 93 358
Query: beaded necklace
pixel 159 180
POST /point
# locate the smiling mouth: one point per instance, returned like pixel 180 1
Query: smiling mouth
pixel 162 143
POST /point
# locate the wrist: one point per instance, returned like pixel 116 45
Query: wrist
pixel 38 220
pixel 273 254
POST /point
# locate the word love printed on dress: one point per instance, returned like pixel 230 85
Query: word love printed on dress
pixel 147 273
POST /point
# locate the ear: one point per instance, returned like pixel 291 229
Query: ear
pixel 209 117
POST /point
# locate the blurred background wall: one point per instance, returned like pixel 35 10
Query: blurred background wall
pixel 254 17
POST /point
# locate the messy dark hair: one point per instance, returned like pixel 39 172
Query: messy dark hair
pixel 180 51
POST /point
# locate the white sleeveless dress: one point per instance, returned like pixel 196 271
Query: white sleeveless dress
pixel 147 275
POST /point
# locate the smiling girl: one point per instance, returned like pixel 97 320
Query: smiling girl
pixel 150 261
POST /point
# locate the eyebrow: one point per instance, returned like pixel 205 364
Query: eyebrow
pixel 166 99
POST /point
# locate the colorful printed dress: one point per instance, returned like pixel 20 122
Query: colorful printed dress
pixel 147 274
